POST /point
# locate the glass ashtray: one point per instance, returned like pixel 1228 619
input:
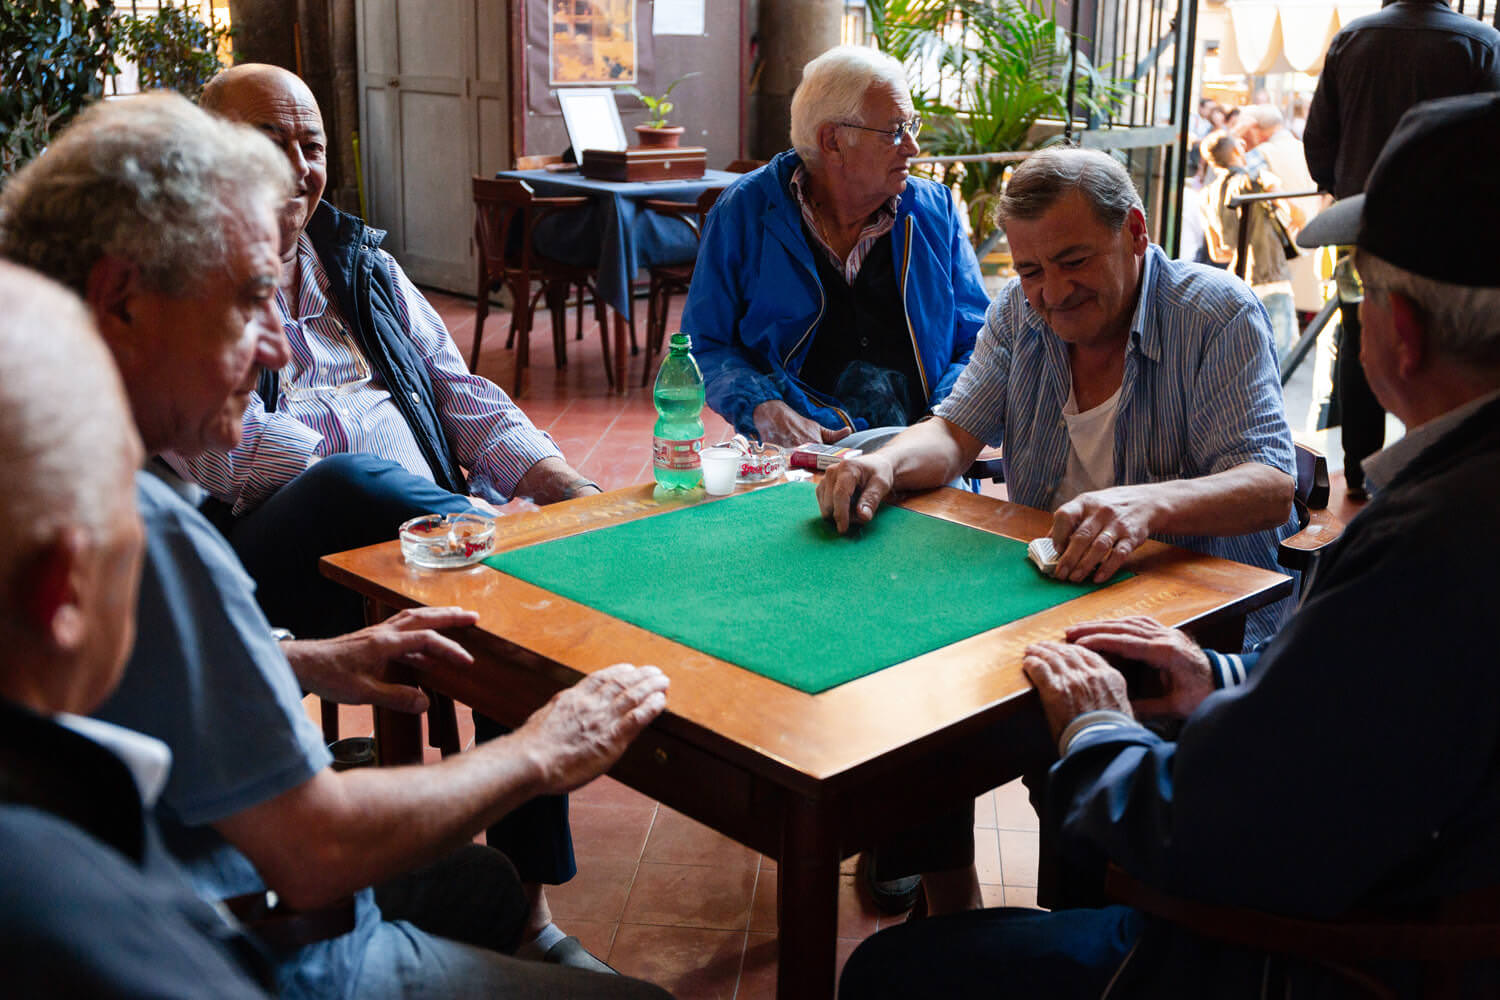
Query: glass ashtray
pixel 759 463
pixel 447 541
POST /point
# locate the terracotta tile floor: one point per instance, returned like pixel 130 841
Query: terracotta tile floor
pixel 658 895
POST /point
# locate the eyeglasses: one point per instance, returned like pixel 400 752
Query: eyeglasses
pixel 910 127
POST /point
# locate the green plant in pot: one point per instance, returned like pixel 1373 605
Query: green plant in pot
pixel 1000 68
pixel 57 54
pixel 655 131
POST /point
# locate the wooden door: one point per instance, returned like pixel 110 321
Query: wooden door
pixel 432 89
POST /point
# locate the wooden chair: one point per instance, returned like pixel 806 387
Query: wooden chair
pixel 668 280
pixel 1316 527
pixel 1463 930
pixel 506 214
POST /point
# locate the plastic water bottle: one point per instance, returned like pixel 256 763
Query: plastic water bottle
pixel 678 436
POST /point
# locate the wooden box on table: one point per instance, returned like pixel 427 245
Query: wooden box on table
pixel 638 164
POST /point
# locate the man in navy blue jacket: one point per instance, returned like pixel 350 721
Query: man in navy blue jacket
pixel 1349 766
pixel 833 292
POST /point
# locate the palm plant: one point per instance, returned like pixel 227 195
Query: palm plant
pixel 983 73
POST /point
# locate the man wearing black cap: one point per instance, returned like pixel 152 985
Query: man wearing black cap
pixel 1349 766
pixel 1376 68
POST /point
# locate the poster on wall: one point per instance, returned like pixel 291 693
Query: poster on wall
pixel 591 42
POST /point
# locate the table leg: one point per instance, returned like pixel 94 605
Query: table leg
pixel 622 354
pixel 398 737
pixel 807 887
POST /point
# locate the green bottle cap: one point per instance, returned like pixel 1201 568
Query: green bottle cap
pixel 681 341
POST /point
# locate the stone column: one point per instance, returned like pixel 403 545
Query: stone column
pixel 792 33
pixel 264 31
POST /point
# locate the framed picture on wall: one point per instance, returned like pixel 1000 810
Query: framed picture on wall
pixel 591 41
pixel 592 118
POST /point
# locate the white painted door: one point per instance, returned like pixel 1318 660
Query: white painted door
pixel 433 112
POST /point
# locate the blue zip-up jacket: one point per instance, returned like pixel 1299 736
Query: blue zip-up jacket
pixel 755 301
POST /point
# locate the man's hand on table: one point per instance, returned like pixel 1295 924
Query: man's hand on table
pixel 1182 670
pixel 1072 680
pixel 354 669
pixel 851 491
pixel 1094 532
pixel 778 423
pixel 552 480
pixel 581 732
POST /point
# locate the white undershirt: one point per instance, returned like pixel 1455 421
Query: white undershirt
pixel 1091 451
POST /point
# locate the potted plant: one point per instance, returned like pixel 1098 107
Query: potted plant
pixel 56 58
pixel 1003 68
pixel 655 132
pixel 172 49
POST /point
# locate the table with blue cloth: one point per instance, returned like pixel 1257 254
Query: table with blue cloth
pixel 616 236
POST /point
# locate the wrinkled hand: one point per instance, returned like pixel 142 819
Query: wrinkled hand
pixel 1072 680
pixel 354 669
pixel 1182 669
pixel 851 491
pixel 1094 532
pixel 778 423
pixel 581 732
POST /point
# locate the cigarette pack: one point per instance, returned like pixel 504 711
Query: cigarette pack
pixel 820 456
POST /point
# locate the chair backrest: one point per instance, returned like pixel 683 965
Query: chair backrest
pixel 1312 477
pixel 537 162
pixel 744 166
pixel 500 204
pixel 1463 930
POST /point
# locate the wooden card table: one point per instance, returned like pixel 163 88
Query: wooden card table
pixel 807 779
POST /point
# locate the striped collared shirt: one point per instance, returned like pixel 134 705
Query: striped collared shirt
pixel 1200 394
pixel 881 222
pixel 332 402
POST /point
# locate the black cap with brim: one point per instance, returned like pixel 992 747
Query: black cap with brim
pixel 1432 202
pixel 1336 225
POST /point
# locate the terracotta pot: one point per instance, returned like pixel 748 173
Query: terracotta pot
pixel 666 137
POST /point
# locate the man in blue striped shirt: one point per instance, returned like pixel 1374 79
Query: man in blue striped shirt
pixel 1135 396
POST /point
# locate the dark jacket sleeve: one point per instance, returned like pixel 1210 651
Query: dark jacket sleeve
pixel 1320 136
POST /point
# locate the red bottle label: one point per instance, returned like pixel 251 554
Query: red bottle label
pixel 667 453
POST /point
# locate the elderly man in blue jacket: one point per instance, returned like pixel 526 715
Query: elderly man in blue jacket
pixel 833 291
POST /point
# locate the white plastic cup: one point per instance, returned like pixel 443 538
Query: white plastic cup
pixel 720 467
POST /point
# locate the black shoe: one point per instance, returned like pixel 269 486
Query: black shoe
pixel 891 896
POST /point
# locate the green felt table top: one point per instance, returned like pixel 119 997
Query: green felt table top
pixel 761 580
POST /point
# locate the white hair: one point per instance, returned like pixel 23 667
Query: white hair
pixel 67 439
pixel 1264 116
pixel 152 180
pixel 1462 321
pixel 833 89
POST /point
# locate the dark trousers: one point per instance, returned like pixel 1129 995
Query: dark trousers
pixel 994 953
pixel 1362 417
pixel 345 502
pixel 341 502
pixel 472 895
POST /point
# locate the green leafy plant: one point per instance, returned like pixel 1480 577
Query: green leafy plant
pixel 660 106
pixel 984 73
pixel 56 54
pixel 172 49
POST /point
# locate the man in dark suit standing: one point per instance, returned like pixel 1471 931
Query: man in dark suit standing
pixel 1377 67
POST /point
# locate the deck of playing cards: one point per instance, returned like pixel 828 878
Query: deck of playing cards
pixel 1042 552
